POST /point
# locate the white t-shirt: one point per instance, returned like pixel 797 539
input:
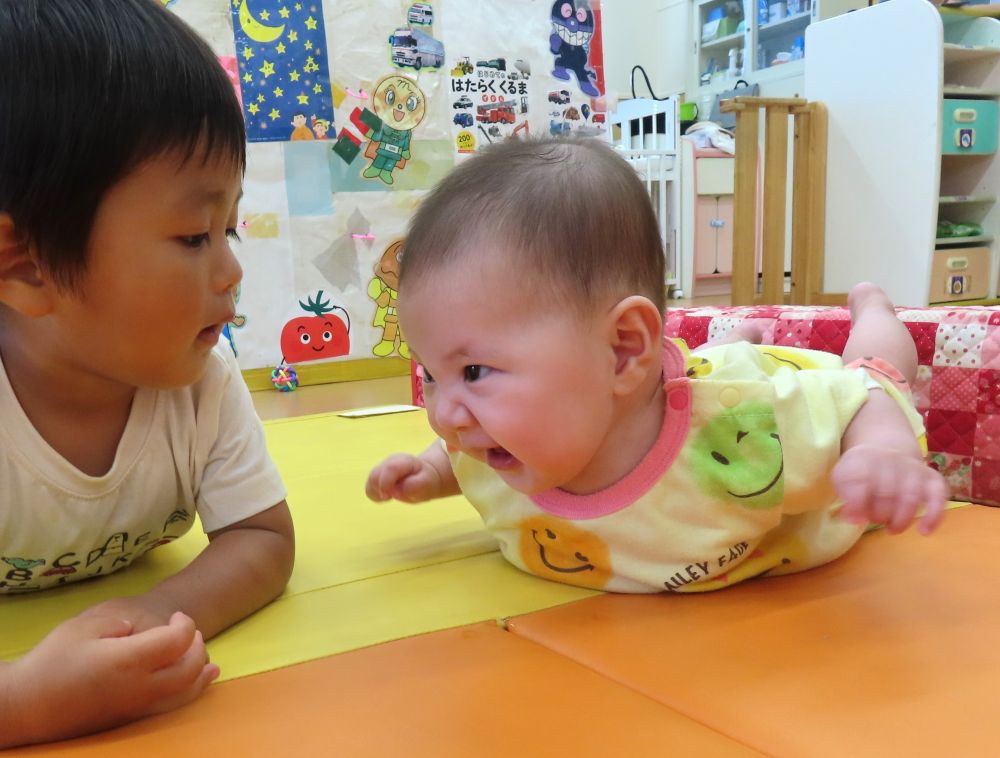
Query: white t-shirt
pixel 196 449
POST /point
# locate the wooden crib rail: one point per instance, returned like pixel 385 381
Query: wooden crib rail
pixel 808 201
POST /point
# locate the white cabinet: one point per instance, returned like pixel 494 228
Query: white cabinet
pixel 892 114
pixel 762 41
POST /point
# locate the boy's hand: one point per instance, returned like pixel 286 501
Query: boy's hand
pixel 92 673
pixel 884 486
pixel 404 477
pixel 141 611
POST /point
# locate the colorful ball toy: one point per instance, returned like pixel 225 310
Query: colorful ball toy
pixel 284 378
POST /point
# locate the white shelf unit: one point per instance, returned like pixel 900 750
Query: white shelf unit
pixel 882 72
pixel 758 45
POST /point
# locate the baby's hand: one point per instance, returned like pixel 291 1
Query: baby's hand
pixel 883 486
pixel 92 673
pixel 403 477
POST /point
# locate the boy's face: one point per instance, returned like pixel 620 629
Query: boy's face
pixel 158 287
pixel 523 385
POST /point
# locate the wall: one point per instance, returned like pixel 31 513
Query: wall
pixel 332 177
pixel 650 33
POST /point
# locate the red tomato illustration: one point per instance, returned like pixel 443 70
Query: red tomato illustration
pixel 313 338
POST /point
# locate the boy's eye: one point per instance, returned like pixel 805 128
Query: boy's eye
pixel 425 375
pixel 234 235
pixel 475 372
pixel 194 241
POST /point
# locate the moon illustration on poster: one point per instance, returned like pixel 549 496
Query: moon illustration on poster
pixel 255 30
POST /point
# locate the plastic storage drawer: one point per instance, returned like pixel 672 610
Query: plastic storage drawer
pixel 960 273
pixel 969 126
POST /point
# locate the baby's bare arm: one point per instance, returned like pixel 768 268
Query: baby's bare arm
pixel 881 475
pixel 413 478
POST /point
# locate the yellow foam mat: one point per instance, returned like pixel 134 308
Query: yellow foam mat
pixel 365 573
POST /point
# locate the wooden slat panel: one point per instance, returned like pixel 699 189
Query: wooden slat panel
pixel 745 207
pixel 802 189
pixel 775 181
pixel 816 239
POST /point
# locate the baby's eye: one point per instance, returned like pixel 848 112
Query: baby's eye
pixel 475 372
pixel 425 375
pixel 234 235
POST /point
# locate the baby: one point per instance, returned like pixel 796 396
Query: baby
pixel 122 150
pixel 597 452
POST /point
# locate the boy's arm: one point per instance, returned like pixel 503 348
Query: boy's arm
pixel 94 673
pixel 881 475
pixel 413 478
pixel 244 567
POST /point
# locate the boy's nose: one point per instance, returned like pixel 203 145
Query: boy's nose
pixel 229 272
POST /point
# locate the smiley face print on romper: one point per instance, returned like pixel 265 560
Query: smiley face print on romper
pixel 737 456
pixel 561 551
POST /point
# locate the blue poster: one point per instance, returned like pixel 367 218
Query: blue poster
pixel 284 76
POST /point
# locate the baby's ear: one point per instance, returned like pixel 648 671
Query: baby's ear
pixel 22 285
pixel 636 337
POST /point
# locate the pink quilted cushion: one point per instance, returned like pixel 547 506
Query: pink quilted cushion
pixel 958 382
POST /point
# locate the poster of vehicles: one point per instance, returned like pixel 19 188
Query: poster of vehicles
pixel 489 100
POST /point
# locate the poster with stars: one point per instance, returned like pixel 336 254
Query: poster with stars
pixel 283 67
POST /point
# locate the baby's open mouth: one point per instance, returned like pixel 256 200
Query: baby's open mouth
pixel 498 458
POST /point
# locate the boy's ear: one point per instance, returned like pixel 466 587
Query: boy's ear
pixel 636 335
pixel 22 285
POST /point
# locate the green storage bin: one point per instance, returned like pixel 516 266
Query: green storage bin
pixel 727 26
pixel 968 126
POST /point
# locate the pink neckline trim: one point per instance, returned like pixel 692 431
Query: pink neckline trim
pixel 635 484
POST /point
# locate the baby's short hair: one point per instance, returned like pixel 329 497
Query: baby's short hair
pixel 91 89
pixel 572 214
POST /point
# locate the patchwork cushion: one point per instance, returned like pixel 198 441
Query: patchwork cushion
pixel 957 390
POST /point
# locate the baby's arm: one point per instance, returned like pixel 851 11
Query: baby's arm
pixel 413 478
pixel 93 673
pixel 881 475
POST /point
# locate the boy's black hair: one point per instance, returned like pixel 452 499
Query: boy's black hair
pixel 89 90
pixel 571 215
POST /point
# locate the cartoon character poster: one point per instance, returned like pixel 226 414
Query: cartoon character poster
pixel 578 60
pixel 383 289
pixel 575 36
pixel 281 49
pixel 397 108
pixel 319 336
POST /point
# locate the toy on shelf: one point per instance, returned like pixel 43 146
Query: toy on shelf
pixel 284 378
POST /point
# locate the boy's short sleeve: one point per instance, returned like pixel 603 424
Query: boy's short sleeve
pixel 235 476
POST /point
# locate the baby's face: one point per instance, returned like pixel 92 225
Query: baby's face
pixel 160 277
pixel 511 378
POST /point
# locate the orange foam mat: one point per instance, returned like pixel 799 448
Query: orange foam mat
pixel 892 650
pixel 472 691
